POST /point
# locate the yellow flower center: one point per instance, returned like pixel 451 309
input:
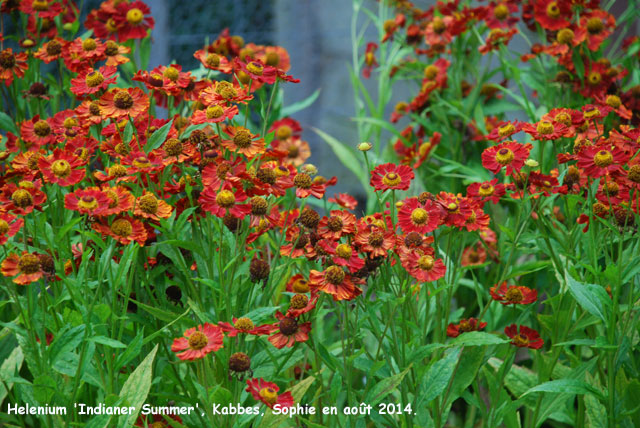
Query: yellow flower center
pixel 22 198
pixel 42 128
pixel 514 295
pixel 242 139
pixel 565 36
pixel 419 216
pixel 89 44
pixel 634 174
pixel 269 395
pixel 299 301
pixel 111 25
pixel 344 251
pixel 501 11
pixel 594 78
pixel 4 227
pixel 603 158
pixel 88 202
pixel 465 326
pixel 563 117
pixel 93 79
pixel 226 90
pixel 452 207
pixel 212 60
pixel 149 204
pixel 225 198
pixel 135 16
pixel 438 25
pixel 391 179
pixel 283 132
pixel 29 263
pixel 520 340
pixel 61 168
pixel 243 324
pixel 141 162
pixel 334 275
pixel 122 227
pixel 171 73
pixel 300 286
pixel 553 11
pixel 595 25
pixel 273 59
pixel 70 122
pixel 40 5
pixel 545 127
pixel 504 156
pixel 198 340
pixel 54 48
pixel 214 112
pixel 431 72
pixel 123 100
pixel 506 130
pixel 302 181
pixel 486 190
pixel 426 262
pixel 255 68
pixel 613 101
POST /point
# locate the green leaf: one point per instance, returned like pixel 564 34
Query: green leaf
pixel 158 137
pixel 135 390
pixel 478 338
pixel 593 298
pixel 345 155
pixel 7 123
pixel 300 105
pixel 131 351
pixel 437 378
pixel 107 341
pixel 386 387
pixel 128 133
pixel 187 132
pixel 66 342
pixel 9 368
pixel 565 386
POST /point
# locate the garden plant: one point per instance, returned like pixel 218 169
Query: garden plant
pixel 171 257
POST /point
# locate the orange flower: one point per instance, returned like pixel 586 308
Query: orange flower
pixel 149 206
pixel 91 81
pixel 513 294
pixel 119 103
pixel 27 267
pixel 198 342
pixel 61 168
pixel 124 229
pixel 9 226
pixel 289 332
pixel 244 142
pixel 91 201
pixel 267 392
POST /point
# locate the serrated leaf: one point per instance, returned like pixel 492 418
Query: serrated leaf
pixel 158 137
pixel 136 388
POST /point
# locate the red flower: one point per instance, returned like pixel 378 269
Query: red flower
pixel 525 338
pixel 465 325
pixel 374 240
pixel 423 267
pixel 224 200
pixel 369 59
pixel 244 325
pixel 267 392
pixel 197 343
pixel 22 198
pixel 124 230
pixel 457 209
pixel 315 187
pixel 390 176
pixel 60 168
pixel 214 114
pixel 12 65
pixel 600 160
pixel 597 25
pixel 258 71
pixel 342 254
pixel 552 14
pixel 486 191
pixel 9 226
pixel 91 201
pixel 546 130
pixel 244 142
pixel 416 217
pixel 504 130
pixel 340 223
pixel 26 268
pixel 513 294
pixel 119 103
pixel 335 281
pixel 37 132
pixel 344 200
pixel 133 20
pixel 91 81
pixel 289 332
pixel 508 154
